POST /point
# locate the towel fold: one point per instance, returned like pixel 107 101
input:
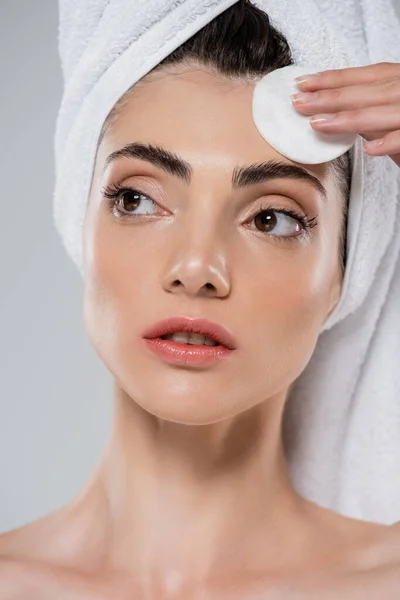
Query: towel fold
pixel 342 419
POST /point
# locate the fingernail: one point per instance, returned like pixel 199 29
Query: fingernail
pixel 308 78
pixel 322 119
pixel 374 143
pixel 303 97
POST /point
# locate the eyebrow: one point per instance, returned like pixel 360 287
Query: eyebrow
pixel 242 176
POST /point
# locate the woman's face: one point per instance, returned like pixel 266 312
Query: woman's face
pixel 197 248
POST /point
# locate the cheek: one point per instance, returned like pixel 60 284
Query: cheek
pixel 289 284
pixel 117 285
pixel 284 304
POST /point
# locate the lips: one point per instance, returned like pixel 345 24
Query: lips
pixel 188 325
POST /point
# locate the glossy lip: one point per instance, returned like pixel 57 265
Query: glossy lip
pixel 187 355
pixel 192 325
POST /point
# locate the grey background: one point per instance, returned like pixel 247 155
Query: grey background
pixel 54 391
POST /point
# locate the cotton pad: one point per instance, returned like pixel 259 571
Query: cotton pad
pixel 284 128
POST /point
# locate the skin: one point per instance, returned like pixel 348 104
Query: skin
pixel 192 497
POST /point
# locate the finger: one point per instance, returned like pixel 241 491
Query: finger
pixel 334 78
pixel 386 91
pixel 361 121
pixel 375 135
pixel 389 144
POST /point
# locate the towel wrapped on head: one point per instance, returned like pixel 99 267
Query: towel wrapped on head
pixel 342 418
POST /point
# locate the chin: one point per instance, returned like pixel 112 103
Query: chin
pixel 185 407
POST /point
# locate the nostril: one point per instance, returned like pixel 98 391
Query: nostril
pixel 176 283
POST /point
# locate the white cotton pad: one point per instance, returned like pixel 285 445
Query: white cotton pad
pixel 284 128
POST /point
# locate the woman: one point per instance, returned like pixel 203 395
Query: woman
pixel 183 238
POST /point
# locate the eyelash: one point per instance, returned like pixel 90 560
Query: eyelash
pixel 112 194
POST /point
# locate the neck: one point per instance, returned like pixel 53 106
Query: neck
pixel 195 500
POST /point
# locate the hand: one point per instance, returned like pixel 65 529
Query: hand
pixel 363 100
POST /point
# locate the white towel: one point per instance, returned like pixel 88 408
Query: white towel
pixel 342 420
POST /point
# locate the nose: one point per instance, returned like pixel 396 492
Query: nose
pixel 198 268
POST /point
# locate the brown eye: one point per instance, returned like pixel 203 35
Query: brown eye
pixel 266 220
pixel 130 200
pixel 280 223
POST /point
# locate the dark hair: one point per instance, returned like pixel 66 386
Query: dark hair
pixel 241 42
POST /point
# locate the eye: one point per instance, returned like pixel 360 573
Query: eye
pixel 282 223
pixel 128 201
pixel 134 201
pixel 272 221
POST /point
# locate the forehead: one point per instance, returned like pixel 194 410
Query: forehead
pixel 198 114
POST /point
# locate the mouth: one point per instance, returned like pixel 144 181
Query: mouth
pixel 185 330
pixel 191 339
pixel 189 342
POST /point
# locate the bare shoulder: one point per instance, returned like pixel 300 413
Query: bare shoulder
pixel 390 547
pixel 22 579
pixel 11 580
pixel 381 582
pixel 28 542
pixel 28 570
pixel 18 577
pixel 55 539
pixel 27 567
pixel 35 569
pixel 53 558
pixel 375 573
